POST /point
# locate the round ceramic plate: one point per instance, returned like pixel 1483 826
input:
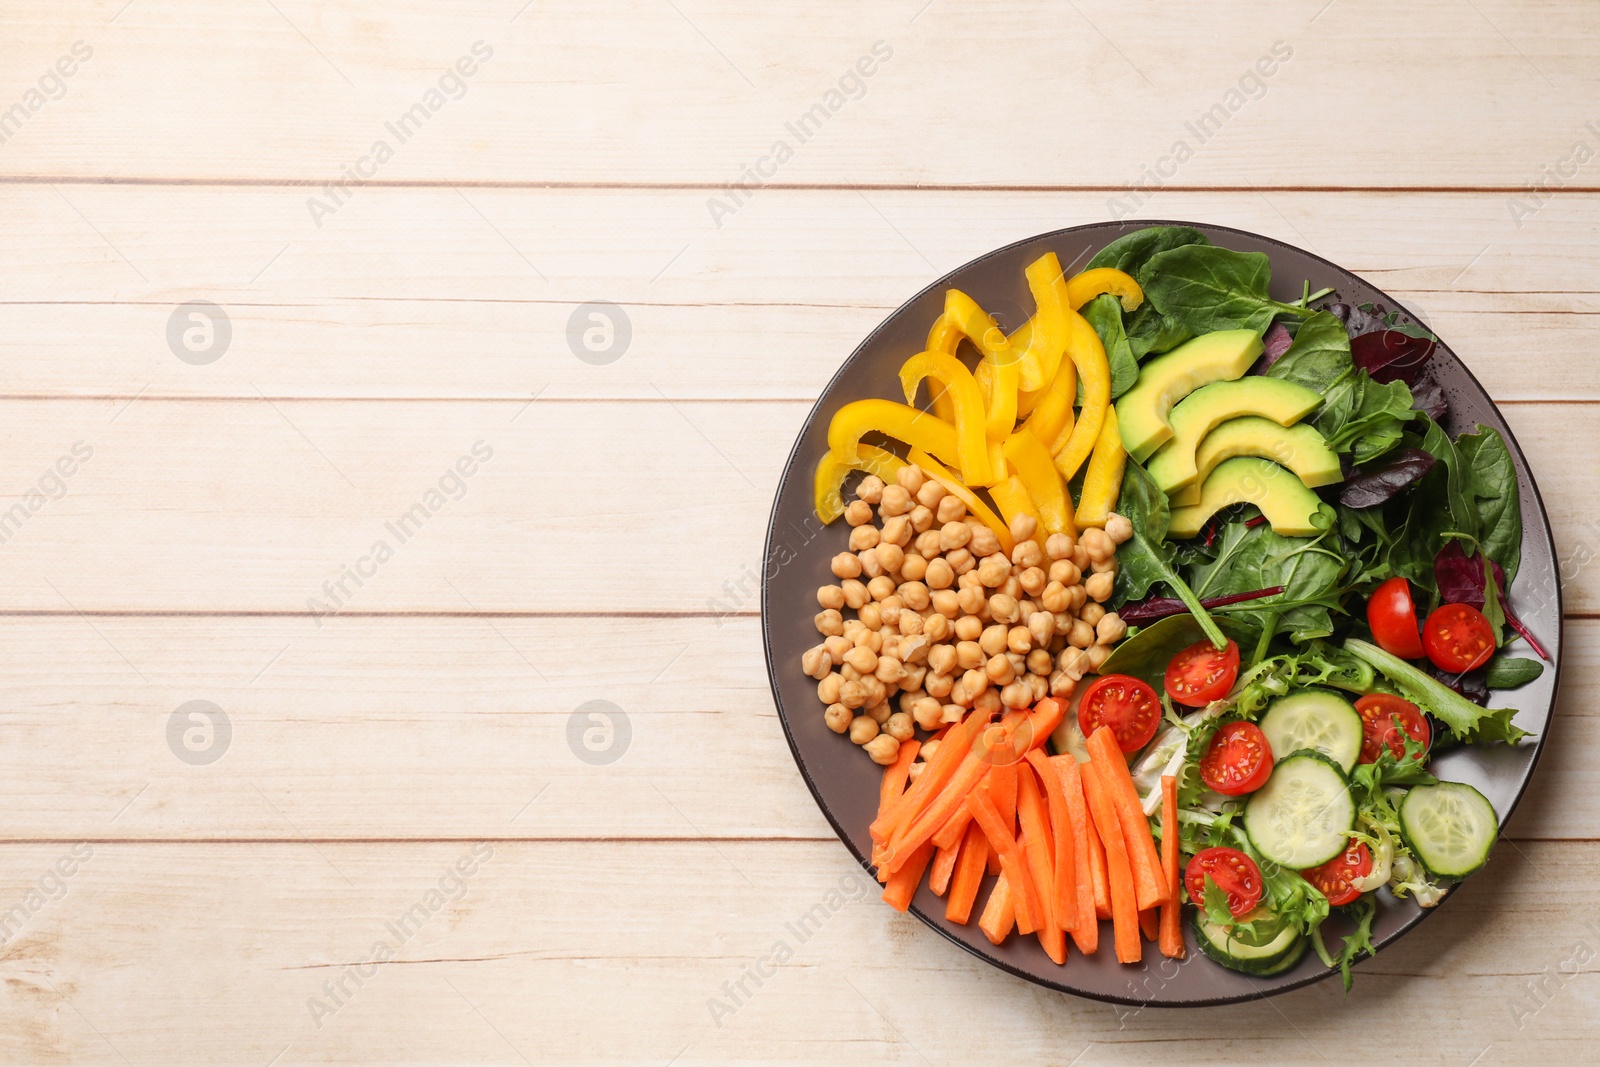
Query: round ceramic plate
pixel 845 782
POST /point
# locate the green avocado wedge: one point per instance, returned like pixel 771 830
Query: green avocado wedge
pixel 1301 448
pixel 1142 412
pixel 1192 419
pixel 1291 508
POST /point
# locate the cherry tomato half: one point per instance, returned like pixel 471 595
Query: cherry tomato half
pixel 1239 760
pixel 1378 714
pixel 1128 706
pixel 1235 874
pixel 1333 878
pixel 1200 674
pixel 1393 618
pixel 1458 638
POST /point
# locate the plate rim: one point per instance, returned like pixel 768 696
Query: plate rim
pixel 1128 226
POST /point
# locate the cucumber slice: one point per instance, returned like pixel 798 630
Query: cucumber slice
pixel 1316 719
pixel 1450 827
pixel 1240 955
pixel 1290 958
pixel 1304 814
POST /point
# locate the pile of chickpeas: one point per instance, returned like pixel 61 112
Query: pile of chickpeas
pixel 929 610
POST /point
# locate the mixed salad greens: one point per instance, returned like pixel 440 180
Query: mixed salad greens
pixel 1283 551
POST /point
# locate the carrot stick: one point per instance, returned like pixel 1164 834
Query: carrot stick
pixel 944 865
pixel 1086 935
pixel 1119 875
pixel 1037 841
pixel 1097 860
pixel 903 883
pixel 955 827
pixel 974 766
pixel 1012 865
pixel 892 786
pixel 1043 720
pixel 999 913
pixel 1112 767
pixel 969 875
pixel 932 780
pixel 1171 930
pixel 1003 791
pixel 1150 923
pixel 1065 856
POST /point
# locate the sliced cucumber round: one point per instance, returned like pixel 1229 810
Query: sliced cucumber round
pixel 1304 814
pixel 1450 827
pixel 1316 719
pixel 1290 958
pixel 1263 954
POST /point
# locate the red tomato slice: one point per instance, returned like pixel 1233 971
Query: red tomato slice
pixel 1239 760
pixel 1378 714
pixel 1200 674
pixel 1333 878
pixel 1393 618
pixel 1235 874
pixel 1458 638
pixel 1128 706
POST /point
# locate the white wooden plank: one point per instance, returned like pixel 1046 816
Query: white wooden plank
pixel 412 728
pixel 612 952
pixel 1370 94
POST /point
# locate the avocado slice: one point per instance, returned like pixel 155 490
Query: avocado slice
pixel 1300 448
pixel 1280 494
pixel 1213 357
pixel 1282 401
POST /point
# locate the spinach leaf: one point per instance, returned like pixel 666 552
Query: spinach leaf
pixel 1144 558
pixel 1104 313
pixel 1365 418
pixel 1151 333
pixel 1508 672
pixel 1308 569
pixel 1130 252
pixel 1146 654
pixel 1319 357
pixel 1459 513
pixel 1207 288
pixel 1494 486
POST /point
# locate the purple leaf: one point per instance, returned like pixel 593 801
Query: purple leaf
pixel 1470 685
pixel 1390 355
pixel 1273 346
pixel 1373 486
pixel 1428 397
pixel 1159 607
pixel 1460 581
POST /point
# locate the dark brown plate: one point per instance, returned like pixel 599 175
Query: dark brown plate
pixel 845 782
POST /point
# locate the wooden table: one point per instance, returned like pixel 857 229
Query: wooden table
pixel 393 832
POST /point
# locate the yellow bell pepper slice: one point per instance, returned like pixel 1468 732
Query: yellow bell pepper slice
pixel 956 383
pixel 1033 463
pixel 954 486
pixel 916 428
pixel 1102 482
pixel 1042 340
pixel 1084 287
pixel 1011 496
pixel 981 329
pixel 944 337
pixel 832 471
pixel 1089 355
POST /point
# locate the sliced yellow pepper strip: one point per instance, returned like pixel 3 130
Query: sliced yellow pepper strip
pixel 1092 283
pixel 959 386
pixel 1102 482
pixel 1011 496
pixel 1089 355
pixel 1042 340
pixel 1033 464
pixel 964 313
pixel 954 485
pixel 831 473
pixel 945 338
pixel 1051 417
pixel 916 428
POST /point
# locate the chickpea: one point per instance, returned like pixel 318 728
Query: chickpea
pixel 946 602
pixel 869 616
pixel 939 575
pixel 1038 687
pixel 953 535
pixel 916 595
pixel 829 622
pixel 959 695
pixel 863 729
pixel 1033 581
pixel 931 747
pixel 960 560
pixel 927 544
pixel 866 638
pixel 974 682
pixel 1118 528
pixel 870 567
pixel 1092 613
pixel 828 689
pixel 914 771
pixel 1003 608
pixel 838 717
pixel 914 654
pixel 972 600
pixel 1098 655
pixel 942 659
pixel 1110 629
pixel 910 624
pixel 1107 566
pixel 830 596
pixel 862 659
pixel 968 627
pixel 993 640
pixel 1097 544
pixel 1027 554
pixel 1080 557
pixel 1000 671
pixel 1099 586
pixel 925 712
pixel 816 662
pixel 893 600
pixel 1011 587
pixel 837 646
pixel 985 542
pixel 880 587
pixel 1062 686
pixel 921 519
pixel 1054 597
pixel 870 489
pixel 952 713
pixel 890 557
pixel 993 571
pixel 969 655
pixel 1058 546
pixel 1040 662
pixel 930 494
pixel 1023 527
pixel 858 513
pixel 863 538
pixel 1066 572
pixel 938 685
pixel 896 531
pixel 896 501
pixel 1019 639
pixel 915 568
pixel 909 478
pixel 1064 623
pixel 1081 635
pixel 853 694
pixel 1074 663
pixel 1016 695
pixel 900 726
pixel 845 565
pixel 950 509
pixel 1042 627
pixel 878 713
pixel 987 701
pixel 1076 597
pixel 877 692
